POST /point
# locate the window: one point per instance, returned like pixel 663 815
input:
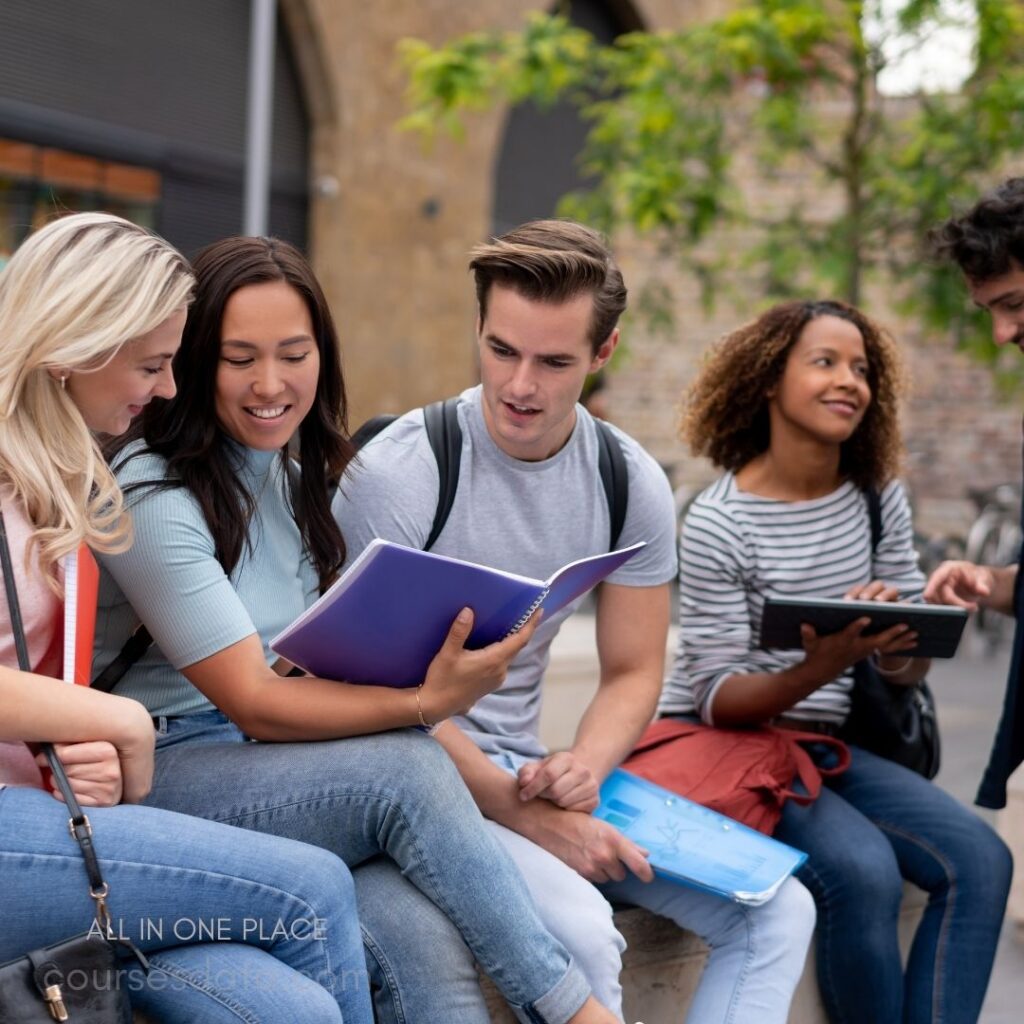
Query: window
pixel 38 183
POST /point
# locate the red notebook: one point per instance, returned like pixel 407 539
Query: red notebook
pixel 81 589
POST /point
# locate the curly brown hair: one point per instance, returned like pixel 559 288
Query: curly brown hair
pixel 725 409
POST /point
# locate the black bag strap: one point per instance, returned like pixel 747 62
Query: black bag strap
pixel 81 829
pixel 874 501
pixel 371 428
pixel 611 464
pixel 134 648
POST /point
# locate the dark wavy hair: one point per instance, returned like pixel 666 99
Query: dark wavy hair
pixel 725 410
pixel 186 432
pixel 989 237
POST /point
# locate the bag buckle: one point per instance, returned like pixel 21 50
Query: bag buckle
pixel 80 830
pixel 55 1002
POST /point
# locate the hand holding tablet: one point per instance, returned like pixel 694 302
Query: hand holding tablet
pixel 938 627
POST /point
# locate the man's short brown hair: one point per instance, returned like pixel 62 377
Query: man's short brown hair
pixel 553 261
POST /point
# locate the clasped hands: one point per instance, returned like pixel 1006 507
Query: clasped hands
pixel 561 778
pixel 593 848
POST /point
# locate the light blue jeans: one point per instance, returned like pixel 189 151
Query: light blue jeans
pixel 289 946
pixel 397 794
pixel 756 953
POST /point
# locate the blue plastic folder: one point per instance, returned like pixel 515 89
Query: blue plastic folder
pixel 389 614
pixel 695 846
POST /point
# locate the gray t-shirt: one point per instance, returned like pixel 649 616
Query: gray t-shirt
pixel 529 518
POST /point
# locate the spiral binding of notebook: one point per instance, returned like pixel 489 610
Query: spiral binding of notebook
pixel 525 617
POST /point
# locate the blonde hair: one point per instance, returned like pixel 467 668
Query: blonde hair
pixel 70 296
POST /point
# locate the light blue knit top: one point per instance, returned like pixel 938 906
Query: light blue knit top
pixel 171 580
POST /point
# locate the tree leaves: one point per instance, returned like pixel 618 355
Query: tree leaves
pixel 694 131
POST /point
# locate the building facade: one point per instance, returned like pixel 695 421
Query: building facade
pixel 139 106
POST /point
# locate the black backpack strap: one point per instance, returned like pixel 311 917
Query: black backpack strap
pixel 611 464
pixel 134 648
pixel 445 437
pixel 371 428
pixel 871 496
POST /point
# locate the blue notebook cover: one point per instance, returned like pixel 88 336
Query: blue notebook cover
pixel 386 618
pixel 690 844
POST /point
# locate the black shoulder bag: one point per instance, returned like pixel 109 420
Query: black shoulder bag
pixel 77 979
pixel 896 722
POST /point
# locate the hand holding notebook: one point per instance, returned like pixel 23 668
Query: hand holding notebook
pixel 695 846
pixel 387 617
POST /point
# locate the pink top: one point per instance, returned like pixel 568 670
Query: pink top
pixel 41 613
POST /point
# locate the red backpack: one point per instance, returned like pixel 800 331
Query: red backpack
pixel 746 774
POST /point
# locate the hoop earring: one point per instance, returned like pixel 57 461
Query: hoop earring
pixel 63 382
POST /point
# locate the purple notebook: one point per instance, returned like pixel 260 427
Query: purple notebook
pixel 388 615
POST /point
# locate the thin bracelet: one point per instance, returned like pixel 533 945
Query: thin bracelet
pixel 877 659
pixel 419 709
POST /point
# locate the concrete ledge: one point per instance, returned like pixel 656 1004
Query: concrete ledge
pixel 663 963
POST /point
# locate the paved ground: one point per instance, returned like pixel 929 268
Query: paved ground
pixel 969 693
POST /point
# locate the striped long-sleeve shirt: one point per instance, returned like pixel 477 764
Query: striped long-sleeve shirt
pixel 736 548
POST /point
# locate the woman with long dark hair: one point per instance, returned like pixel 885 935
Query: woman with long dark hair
pixel 800 409
pixel 234 538
pixel 91 313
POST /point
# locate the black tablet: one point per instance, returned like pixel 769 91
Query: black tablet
pixel 938 626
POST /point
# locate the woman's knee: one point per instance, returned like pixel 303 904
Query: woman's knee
pixel 864 874
pixel 587 930
pixel 790 916
pixel 324 882
pixel 982 864
pixel 426 767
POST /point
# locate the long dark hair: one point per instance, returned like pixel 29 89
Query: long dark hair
pixel 187 433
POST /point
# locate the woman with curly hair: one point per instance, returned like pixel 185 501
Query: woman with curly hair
pixel 800 409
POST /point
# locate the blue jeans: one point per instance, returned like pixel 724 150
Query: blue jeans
pixel 294 954
pixel 395 793
pixel 872 827
pixel 756 953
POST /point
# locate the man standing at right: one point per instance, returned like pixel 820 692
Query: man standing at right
pixel 987 242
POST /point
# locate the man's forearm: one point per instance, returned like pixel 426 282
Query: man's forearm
pixel 611 725
pixel 1004 580
pixel 495 791
pixel 591 847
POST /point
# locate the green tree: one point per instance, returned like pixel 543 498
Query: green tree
pixel 680 121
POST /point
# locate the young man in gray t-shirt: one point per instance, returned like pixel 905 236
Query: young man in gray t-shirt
pixel 530 500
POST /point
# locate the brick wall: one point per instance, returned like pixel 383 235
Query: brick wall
pixel 392 220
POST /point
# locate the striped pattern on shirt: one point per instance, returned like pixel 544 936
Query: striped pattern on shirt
pixel 735 548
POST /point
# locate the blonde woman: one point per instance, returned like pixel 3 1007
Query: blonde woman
pixel 91 313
